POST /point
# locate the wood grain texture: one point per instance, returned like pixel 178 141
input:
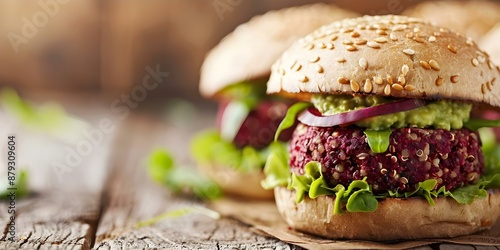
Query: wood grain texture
pixel 58 213
pixel 131 197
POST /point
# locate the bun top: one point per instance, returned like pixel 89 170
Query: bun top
pixel 249 51
pixel 387 55
pixel 473 18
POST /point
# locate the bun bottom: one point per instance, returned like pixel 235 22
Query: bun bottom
pixel 395 218
pixel 237 183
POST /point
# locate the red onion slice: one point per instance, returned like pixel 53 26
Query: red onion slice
pixel 312 117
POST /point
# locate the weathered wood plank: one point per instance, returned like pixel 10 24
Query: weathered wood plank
pixel 132 197
pixel 59 213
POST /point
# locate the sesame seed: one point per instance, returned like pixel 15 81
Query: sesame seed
pixel 363 63
pixel 319 69
pixel 475 62
pixel 432 39
pixel 380 40
pixel 405 69
pixel 354 34
pixel 387 89
pixel 351 48
pixel 437 34
pixel 378 80
pixel 418 39
pixel 382 32
pixel 333 38
pixel 482 89
pixel 297 67
pixel 409 52
pixel 368 86
pixel 397 87
pixel 354 86
pixel 393 37
pixel 452 48
pixel 293 64
pixel 303 78
pixel 389 79
pixel 434 65
pixel 313 59
pixel 425 65
pixel 330 46
pixel 410 35
pixel 373 45
pixel 493 81
pixel 454 79
pixel 310 46
pixel 341 60
pixel 343 80
pixel 399 27
pixel 361 42
pixel 402 79
pixel 346 30
pixel 490 65
pixel 469 42
pixel 439 81
pixel 488 85
pixel 347 42
pixel 404 180
pixel 410 88
pixel 321 45
pixel 416 29
pixel 481 59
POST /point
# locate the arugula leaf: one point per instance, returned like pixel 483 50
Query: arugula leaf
pixel 378 140
pixel 21 185
pixel 161 168
pixel 48 117
pixel 255 90
pixel 178 213
pixel 209 147
pixel 475 123
pixel 290 117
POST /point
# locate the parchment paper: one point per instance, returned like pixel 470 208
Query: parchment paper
pixel 264 216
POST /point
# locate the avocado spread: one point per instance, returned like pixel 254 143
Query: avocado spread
pixel 441 114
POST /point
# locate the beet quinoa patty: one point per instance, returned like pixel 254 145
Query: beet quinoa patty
pixel 261 124
pixel 452 157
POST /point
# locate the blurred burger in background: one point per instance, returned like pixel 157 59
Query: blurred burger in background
pixel 490 43
pixel 235 73
pixel 472 18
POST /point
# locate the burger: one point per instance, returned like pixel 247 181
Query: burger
pixel 473 18
pixel 235 73
pixel 385 148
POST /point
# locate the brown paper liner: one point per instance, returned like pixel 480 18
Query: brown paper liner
pixel 264 216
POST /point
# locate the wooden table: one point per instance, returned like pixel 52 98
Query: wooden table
pixel 99 202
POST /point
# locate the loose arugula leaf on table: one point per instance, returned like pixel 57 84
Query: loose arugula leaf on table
pixel 162 169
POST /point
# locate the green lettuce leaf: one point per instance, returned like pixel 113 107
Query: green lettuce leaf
pixel 21 185
pixel 290 117
pixel 276 168
pixel 209 148
pixel 475 123
pixel 378 140
pixel 162 169
pixel 491 151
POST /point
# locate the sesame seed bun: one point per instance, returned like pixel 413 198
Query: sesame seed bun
pixel 489 43
pixel 249 51
pixel 389 56
pixel 237 183
pixel 473 18
pixel 395 218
